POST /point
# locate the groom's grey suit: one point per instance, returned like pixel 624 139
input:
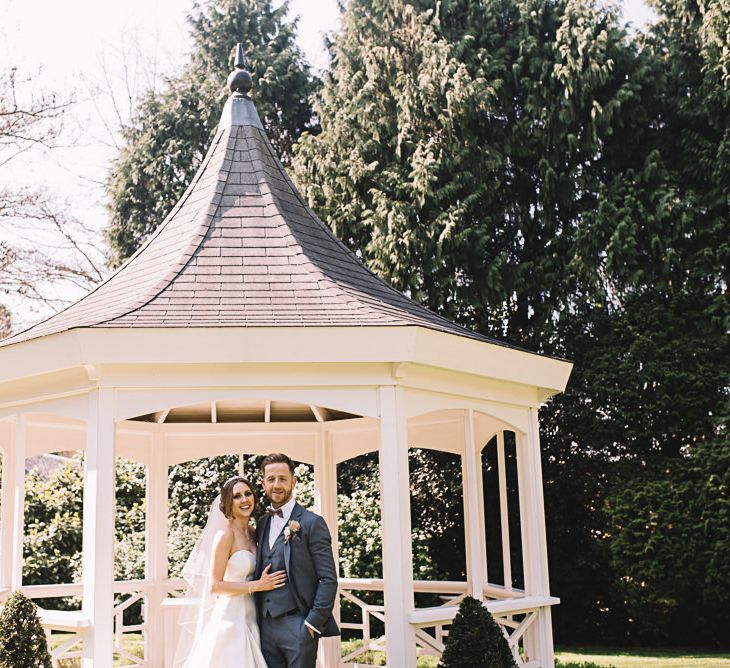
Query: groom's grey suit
pixel 308 596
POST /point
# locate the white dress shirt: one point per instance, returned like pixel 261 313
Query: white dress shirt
pixel 278 523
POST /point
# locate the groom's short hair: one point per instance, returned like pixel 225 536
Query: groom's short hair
pixel 277 458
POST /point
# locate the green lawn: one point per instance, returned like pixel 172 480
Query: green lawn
pixel 574 657
pixel 602 657
pixel 631 658
pixel 133 643
pixel 378 658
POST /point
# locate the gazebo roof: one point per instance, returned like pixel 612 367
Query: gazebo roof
pixel 241 248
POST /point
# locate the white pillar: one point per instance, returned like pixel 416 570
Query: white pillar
pixel 504 511
pixel 538 638
pixel 156 530
pixel 13 507
pixel 475 533
pixel 325 504
pixel 16 577
pixel 6 517
pixel 395 503
pixel 98 531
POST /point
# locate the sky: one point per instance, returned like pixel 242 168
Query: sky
pixel 105 53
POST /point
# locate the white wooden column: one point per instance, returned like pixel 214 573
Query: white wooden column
pixel 98 531
pixel 156 530
pixel 16 578
pixel 475 533
pixel 325 504
pixel 13 507
pixel 6 517
pixel 504 511
pixel 395 506
pixel 538 637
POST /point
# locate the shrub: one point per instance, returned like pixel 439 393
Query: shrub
pixel 475 640
pixel 54 524
pixel 22 641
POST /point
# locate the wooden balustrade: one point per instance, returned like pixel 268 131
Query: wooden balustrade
pixel 512 610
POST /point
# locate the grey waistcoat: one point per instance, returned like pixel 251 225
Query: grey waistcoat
pixel 277 601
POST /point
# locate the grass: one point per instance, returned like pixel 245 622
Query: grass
pixel 574 657
pixel 133 643
pixel 378 658
pixel 603 657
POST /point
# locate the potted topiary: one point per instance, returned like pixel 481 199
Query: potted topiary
pixel 22 640
pixel 475 640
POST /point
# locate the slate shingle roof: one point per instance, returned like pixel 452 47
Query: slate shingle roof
pixel 241 248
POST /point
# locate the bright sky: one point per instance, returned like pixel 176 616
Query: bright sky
pixel 85 47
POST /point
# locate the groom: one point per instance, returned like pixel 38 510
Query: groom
pixel 291 538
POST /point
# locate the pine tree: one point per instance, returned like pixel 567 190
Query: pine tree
pixel 530 169
pixel 475 640
pixel 22 640
pixel 462 144
pixel 172 129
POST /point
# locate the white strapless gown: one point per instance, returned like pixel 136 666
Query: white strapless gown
pixel 230 638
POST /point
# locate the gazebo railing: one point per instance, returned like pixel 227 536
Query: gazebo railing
pixel 73 623
pixel 511 608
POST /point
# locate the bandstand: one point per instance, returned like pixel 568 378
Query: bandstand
pixel 243 326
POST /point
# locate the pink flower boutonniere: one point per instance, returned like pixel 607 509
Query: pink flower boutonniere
pixel 291 530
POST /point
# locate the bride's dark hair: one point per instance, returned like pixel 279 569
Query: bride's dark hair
pixel 226 503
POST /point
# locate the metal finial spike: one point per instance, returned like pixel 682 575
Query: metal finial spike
pixel 239 64
pixel 239 81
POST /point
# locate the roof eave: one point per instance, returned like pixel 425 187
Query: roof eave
pixel 406 344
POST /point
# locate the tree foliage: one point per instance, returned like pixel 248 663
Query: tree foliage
pixel 460 148
pixel 670 539
pixel 534 171
pixel 167 139
pixel 54 523
pixel 22 640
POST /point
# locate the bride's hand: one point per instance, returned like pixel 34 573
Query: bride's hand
pixel 269 581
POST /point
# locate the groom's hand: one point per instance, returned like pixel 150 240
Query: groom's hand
pixel 311 633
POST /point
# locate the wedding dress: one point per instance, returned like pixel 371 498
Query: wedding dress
pixel 230 636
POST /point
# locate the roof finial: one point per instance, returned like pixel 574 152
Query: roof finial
pixel 239 81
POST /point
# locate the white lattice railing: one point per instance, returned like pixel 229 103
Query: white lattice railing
pixel 511 608
pixel 73 624
pixel 514 611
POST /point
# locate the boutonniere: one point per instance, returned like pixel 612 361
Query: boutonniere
pixel 291 530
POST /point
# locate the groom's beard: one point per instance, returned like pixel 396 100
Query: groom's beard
pixel 282 503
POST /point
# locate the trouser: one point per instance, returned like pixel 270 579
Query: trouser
pixel 287 643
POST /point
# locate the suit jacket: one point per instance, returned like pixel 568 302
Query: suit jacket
pixel 310 568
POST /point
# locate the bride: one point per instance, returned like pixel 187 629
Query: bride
pixel 218 621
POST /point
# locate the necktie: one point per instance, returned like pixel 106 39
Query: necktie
pixel 275 511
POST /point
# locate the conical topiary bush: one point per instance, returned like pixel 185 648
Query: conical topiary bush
pixel 22 641
pixel 475 640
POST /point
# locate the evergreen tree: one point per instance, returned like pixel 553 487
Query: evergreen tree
pixel 475 640
pixel 527 168
pixel 22 640
pixel 670 526
pixel 462 145
pixel 171 131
